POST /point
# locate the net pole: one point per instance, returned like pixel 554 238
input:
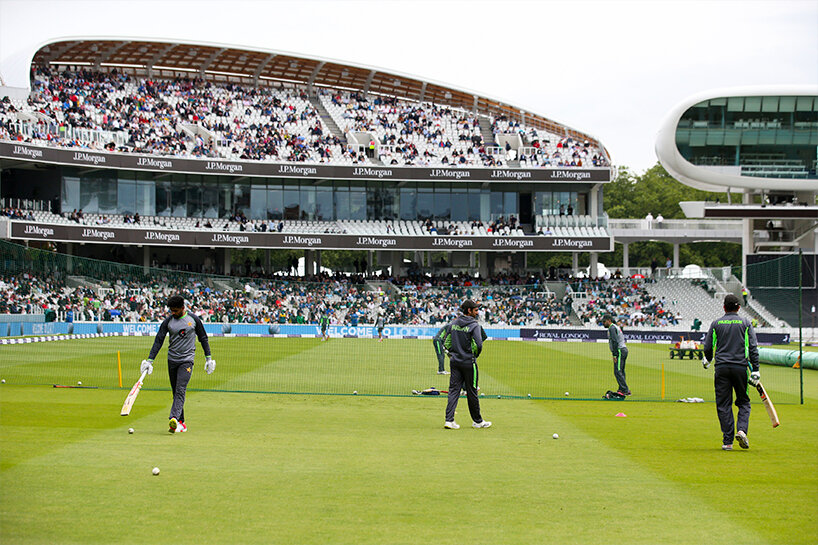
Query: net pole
pixel 800 325
pixel 119 367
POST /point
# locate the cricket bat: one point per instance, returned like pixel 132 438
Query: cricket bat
pixel 768 404
pixel 126 407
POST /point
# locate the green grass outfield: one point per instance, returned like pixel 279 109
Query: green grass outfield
pixel 378 467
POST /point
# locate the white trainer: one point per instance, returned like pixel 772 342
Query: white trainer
pixel 451 425
pixel 181 428
pixel 442 372
pixel 483 424
pixel 741 437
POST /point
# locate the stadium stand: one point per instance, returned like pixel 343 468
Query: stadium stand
pixel 113 111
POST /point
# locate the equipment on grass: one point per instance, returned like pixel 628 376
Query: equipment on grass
pixel 77 386
pixel 613 395
pixel 129 401
pixel 768 404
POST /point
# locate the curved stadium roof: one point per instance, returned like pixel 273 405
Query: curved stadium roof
pixel 168 58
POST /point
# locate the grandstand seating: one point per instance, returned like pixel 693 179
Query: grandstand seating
pixel 196 118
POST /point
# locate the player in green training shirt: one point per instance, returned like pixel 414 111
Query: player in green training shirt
pixel 323 323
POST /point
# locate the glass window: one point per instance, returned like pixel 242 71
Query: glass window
pixel 460 204
pixel 786 104
pixel 307 199
pixel 769 104
pixel 194 196
pixel 178 196
pixel 210 198
pixel 496 204
pixel 803 104
pixel 474 203
pixel 162 197
pixel 341 193
pixel 126 196
pixel 258 201
pixel 752 104
pixel 510 204
pixel 225 198
pixel 425 201
pixel 70 197
pixel 323 203
pixel 292 208
pixel 735 104
pixel 241 198
pixel 275 202
pixel 357 201
pixel 443 202
pixel 408 202
pixel 389 197
pixel 145 194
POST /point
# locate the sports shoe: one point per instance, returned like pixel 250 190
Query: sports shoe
pixel 483 424
pixel 181 428
pixel 741 437
pixel 620 392
pixel 172 425
pixel 451 425
pixel 442 372
pixel 727 447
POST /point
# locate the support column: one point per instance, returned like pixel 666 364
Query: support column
pixel 746 238
pixel 369 261
pixel 268 269
pixel 226 261
pixel 626 268
pixel 675 255
pixel 574 263
pixel 594 268
pixel 472 260
pixel 593 203
pixel 484 265
pixel 309 262
pixel 69 263
pixel 318 261
pixel 397 263
pixel 146 258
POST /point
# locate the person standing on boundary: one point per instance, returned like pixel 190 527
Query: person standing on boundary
pixel 323 323
pixel 440 350
pixel 732 347
pixel 619 350
pixel 464 345
pixel 183 328
pixel 379 323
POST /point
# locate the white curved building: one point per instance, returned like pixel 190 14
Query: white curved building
pixel 761 142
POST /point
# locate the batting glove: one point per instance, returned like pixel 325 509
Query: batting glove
pixel 146 367
pixel 755 376
pixel 210 365
pixel 705 363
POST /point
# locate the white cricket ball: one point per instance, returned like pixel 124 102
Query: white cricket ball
pixel 529 395
pixel 3 381
pixel 155 471
pixel 481 394
pixel 355 392
pixel 555 436
pixel 498 397
pixel 130 430
pixel 79 383
pixel 566 394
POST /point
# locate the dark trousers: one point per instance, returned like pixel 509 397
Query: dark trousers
pixel 441 355
pixel 619 369
pixel 463 376
pixel 179 372
pixel 729 378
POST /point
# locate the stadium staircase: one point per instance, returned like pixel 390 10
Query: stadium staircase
pixel 76 281
pixel 327 119
pixel 486 132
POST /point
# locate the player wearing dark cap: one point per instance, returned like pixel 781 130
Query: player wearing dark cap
pixel 619 351
pixel 464 343
pixel 732 346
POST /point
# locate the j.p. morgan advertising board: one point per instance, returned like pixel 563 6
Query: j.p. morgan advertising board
pixel 155 163
pixel 210 238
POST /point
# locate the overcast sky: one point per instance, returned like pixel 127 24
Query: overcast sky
pixel 613 69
